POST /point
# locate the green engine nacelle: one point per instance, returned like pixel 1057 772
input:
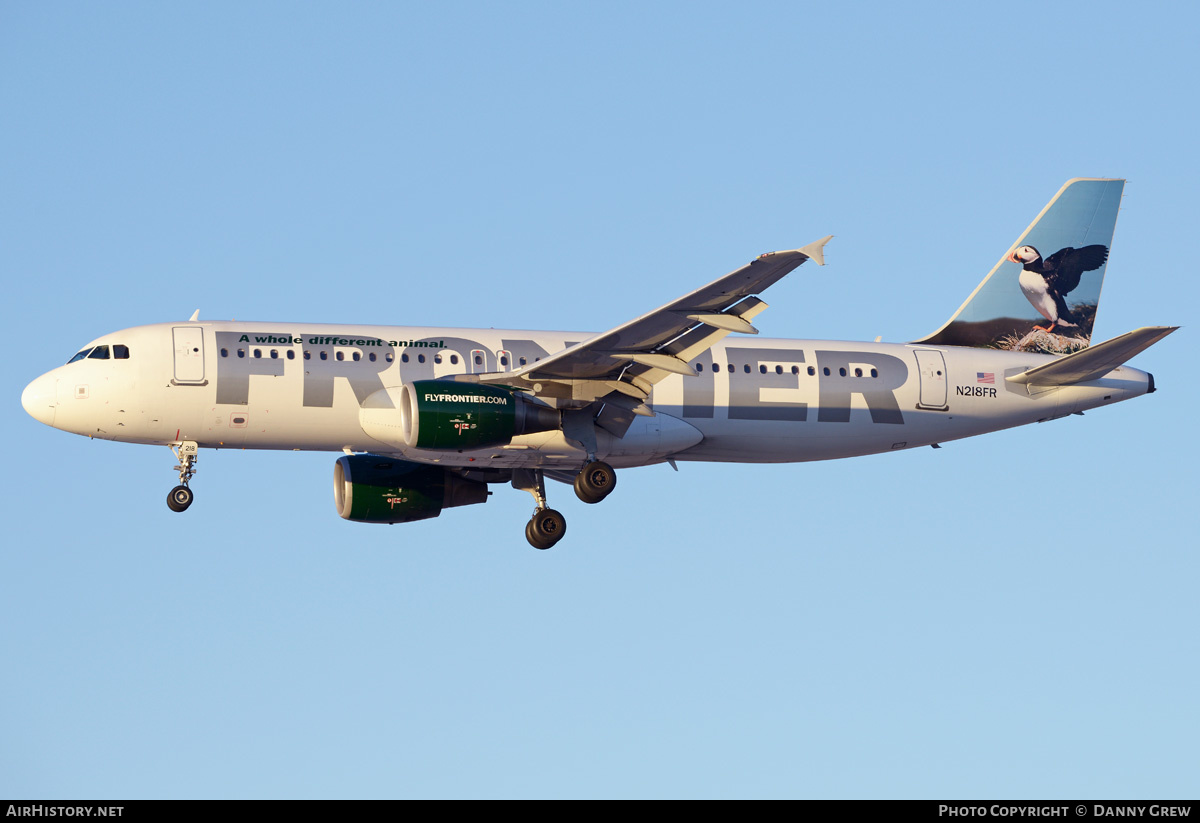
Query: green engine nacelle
pixel 372 489
pixel 441 414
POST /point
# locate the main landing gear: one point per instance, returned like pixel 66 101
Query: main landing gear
pixel 547 527
pixel 180 497
pixel 595 482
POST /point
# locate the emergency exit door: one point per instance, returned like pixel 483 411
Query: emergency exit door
pixel 189 355
pixel 932 368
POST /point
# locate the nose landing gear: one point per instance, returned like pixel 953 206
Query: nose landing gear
pixel 180 497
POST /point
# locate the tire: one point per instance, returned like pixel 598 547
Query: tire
pixel 533 539
pixel 595 482
pixel 546 528
pixel 179 498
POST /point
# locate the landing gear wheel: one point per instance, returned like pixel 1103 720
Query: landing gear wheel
pixel 545 529
pixel 180 498
pixel 595 482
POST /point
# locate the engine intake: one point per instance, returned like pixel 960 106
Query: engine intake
pixel 368 488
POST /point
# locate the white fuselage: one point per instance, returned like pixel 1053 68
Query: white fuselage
pixel 304 386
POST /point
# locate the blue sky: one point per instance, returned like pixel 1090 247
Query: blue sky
pixel 1009 616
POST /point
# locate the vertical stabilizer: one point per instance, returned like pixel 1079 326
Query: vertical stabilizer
pixel 1043 293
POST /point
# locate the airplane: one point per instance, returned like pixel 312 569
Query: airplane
pixel 429 418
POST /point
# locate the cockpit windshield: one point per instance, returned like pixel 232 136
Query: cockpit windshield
pixel 117 352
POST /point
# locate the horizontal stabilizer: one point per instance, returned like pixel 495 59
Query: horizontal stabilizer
pixel 1094 361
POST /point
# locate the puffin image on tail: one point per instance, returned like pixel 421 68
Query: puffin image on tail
pixel 1046 283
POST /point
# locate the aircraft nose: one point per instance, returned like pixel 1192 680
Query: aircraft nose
pixel 40 399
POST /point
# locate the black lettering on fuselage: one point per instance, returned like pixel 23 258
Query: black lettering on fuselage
pixel 975 391
pixel 841 384
pixel 700 392
pixel 527 349
pixel 745 390
pixel 421 365
pixel 414 359
pixel 362 374
pixel 235 364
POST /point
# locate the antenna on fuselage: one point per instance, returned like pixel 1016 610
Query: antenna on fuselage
pixel 195 316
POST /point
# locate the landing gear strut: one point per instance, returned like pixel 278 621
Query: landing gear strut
pixel 187 453
pixel 547 526
pixel 595 482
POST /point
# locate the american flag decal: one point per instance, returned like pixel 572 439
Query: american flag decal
pixel 985 377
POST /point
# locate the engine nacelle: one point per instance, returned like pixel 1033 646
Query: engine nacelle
pixel 372 489
pixel 439 414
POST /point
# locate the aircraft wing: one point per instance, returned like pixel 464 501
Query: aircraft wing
pixel 629 359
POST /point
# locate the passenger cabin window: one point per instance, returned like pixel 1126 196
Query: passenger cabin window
pixel 479 360
pixel 388 357
pixel 291 355
pixel 340 356
pixel 503 361
pixel 241 352
pixel 356 356
pixel 120 352
pixel 99 353
pixel 324 355
pixel 746 368
pixel 812 371
pixel 437 358
pixel 258 354
pixel 224 352
pixel 308 355
pixel 420 358
pixel 274 354
pixel 371 357
pixel 454 359
pixel 404 358
pixel 522 361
